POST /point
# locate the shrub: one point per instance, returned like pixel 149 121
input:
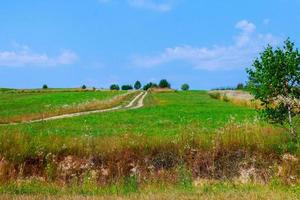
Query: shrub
pixel 185 87
pixel 45 86
pixel 127 87
pixel 225 98
pixel 137 85
pixel 215 95
pixel 164 84
pixel 114 87
pixel 83 87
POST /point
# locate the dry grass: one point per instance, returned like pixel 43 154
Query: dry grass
pixel 223 155
pixel 271 195
pixel 161 90
pixel 236 99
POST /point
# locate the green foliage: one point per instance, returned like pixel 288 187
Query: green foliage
pixel 45 86
pixel 127 87
pixel 164 84
pixel 275 81
pixel 240 86
pixel 137 85
pixel 185 87
pixel 150 85
pixel 83 87
pixel 114 87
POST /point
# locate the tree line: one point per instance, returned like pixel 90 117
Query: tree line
pixel 164 83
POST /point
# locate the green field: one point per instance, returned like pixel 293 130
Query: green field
pixel 164 114
pixel 163 148
pixel 14 104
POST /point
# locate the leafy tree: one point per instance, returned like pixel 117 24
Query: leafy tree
pixel 274 79
pixel 127 87
pixel 164 84
pixel 114 87
pixel 83 87
pixel 240 86
pixel 185 87
pixel 45 86
pixel 137 85
pixel 150 85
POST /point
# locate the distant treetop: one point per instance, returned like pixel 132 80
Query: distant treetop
pixel 164 84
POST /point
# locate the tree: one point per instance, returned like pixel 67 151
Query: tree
pixel 185 87
pixel 150 85
pixel 45 86
pixel 127 87
pixel 114 87
pixel 164 84
pixel 274 79
pixel 137 85
pixel 83 87
pixel 240 86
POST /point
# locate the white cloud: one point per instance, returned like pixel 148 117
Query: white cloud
pixel 23 56
pixel 246 46
pixel 245 26
pixel 151 5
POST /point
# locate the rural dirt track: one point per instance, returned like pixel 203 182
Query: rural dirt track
pixel 135 103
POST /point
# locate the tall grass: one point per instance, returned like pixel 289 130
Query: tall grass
pixel 213 156
pixel 236 101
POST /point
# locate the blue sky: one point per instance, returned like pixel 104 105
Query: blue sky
pixel 207 44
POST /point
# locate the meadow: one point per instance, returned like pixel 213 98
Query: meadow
pixel 164 114
pixel 18 105
pixel 181 143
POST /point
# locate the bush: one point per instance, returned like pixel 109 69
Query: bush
pixel 83 87
pixel 215 95
pixel 185 87
pixel 150 85
pixel 114 87
pixel 137 85
pixel 164 84
pixel 45 86
pixel 225 98
pixel 127 87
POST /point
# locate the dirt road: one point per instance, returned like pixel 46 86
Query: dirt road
pixel 135 103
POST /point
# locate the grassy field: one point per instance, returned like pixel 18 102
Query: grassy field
pixel 164 191
pixel 159 151
pixel 15 104
pixel 164 114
